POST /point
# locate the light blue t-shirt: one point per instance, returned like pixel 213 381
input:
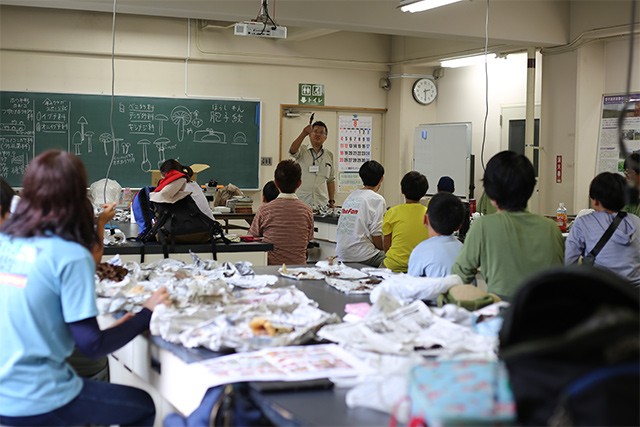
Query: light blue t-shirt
pixel 434 257
pixel 45 283
pixel 621 254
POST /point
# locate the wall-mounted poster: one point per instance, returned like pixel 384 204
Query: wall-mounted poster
pixel 610 157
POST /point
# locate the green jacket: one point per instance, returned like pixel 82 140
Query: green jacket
pixel 634 209
pixel 509 247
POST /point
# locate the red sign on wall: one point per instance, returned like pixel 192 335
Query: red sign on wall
pixel 558 169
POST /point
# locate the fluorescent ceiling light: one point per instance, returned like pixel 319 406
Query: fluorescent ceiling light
pixel 421 5
pixel 467 60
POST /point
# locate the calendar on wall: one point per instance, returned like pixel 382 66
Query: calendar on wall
pixel 354 148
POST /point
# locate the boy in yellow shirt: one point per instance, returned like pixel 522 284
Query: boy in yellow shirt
pixel 402 226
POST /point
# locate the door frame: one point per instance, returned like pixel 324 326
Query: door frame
pixel 510 112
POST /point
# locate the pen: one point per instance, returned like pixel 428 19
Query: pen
pixel 311 118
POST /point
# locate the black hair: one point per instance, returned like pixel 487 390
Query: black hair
pixel 445 183
pixel 6 194
pixel 414 185
pixel 371 172
pixel 609 189
pixel 287 176
pixel 319 123
pixel 270 191
pixel 509 180
pixel 445 213
pixel 632 163
pixel 173 164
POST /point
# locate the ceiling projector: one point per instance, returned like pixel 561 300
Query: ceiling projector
pixel 260 29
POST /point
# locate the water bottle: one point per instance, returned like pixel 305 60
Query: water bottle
pixel 126 197
pixel 561 217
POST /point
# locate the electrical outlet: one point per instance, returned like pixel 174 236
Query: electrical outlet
pixel 265 161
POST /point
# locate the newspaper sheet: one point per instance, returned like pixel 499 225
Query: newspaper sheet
pixel 283 364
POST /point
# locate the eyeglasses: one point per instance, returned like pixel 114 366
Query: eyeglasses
pixel 319 132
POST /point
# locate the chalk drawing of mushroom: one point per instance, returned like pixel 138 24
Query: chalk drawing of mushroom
pixel 116 143
pixel 209 135
pixel 125 147
pixel 240 138
pixel 89 135
pixel 82 121
pixel 161 118
pixel 146 164
pixel 105 138
pixel 161 143
pixel 180 116
pixel 77 142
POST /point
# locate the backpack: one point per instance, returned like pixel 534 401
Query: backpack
pixel 183 222
pixel 143 211
pixel 571 343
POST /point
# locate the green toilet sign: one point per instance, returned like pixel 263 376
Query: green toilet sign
pixel 310 94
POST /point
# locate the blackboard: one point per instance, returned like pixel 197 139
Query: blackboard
pixel 224 134
pixel 444 150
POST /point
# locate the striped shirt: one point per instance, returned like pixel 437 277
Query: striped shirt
pixel 288 224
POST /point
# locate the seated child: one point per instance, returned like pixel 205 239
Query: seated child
pixel 621 253
pixel 359 235
pixel 511 245
pixel 435 256
pixel 286 221
pixel 269 192
pixel 176 184
pixel 446 184
pixel 402 225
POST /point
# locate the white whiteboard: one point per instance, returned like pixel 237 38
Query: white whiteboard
pixel 444 149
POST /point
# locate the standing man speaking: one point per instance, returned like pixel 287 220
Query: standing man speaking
pixel 318 175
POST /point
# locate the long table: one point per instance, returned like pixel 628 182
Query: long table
pixel 226 217
pixel 154 248
pixel 161 368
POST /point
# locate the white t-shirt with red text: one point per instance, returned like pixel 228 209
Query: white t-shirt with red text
pixel 360 219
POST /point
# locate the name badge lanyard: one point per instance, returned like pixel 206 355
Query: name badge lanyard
pixel 314 157
pixel 315 169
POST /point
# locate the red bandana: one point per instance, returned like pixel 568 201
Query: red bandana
pixel 171 176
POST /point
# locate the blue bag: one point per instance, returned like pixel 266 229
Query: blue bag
pixel 458 392
pixel 143 210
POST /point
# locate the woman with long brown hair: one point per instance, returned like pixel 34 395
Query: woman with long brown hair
pixel 47 306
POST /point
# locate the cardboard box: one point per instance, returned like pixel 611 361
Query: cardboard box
pixel 196 167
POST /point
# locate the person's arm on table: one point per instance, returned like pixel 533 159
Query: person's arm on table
pixel 377 242
pixel 311 223
pixel 387 231
pixel 574 245
pixel 331 188
pixel 255 229
pixel 387 242
pixel 103 218
pixel 95 343
pixel 468 260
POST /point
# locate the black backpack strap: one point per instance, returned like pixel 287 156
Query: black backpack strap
pixel 163 241
pixel 173 221
pixel 141 254
pixel 607 234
